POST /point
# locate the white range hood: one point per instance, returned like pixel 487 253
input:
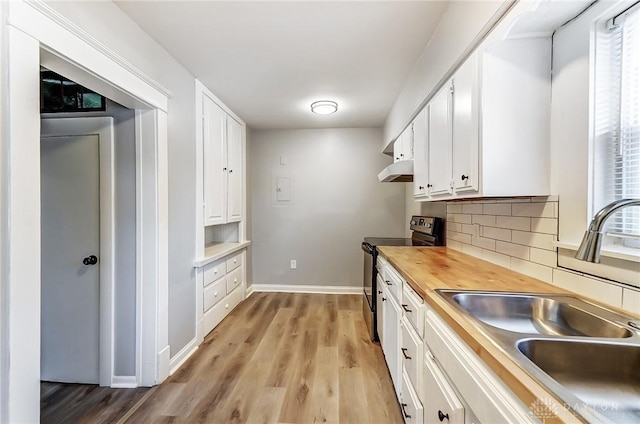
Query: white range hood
pixel 401 171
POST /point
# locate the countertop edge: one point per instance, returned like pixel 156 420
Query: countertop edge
pixel 219 250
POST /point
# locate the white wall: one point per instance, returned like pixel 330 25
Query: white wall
pixel 461 23
pixel 4 301
pixel 107 23
pixel 336 201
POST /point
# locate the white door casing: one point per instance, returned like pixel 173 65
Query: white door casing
pixel 36 32
pixel 77 218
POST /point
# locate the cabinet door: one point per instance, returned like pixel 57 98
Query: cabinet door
pixel 420 158
pixel 215 157
pixel 391 346
pixel 440 143
pixel 440 400
pixel 234 170
pixel 465 135
pixel 380 309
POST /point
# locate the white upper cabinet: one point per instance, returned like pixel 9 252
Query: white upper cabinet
pixel 223 160
pixel 465 134
pixel 440 121
pixel 215 162
pixel 234 171
pixel 488 126
pixel 403 146
pixel 420 157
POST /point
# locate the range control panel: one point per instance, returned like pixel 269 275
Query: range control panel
pixel 426 224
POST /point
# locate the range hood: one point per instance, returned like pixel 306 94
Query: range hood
pixel 400 172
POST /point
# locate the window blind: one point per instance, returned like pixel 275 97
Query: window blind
pixel 616 154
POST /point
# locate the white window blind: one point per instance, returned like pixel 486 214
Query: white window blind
pixel 616 154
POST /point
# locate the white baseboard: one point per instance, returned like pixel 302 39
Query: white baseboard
pixel 124 382
pixel 249 291
pixel 182 356
pixel 164 357
pixel 286 288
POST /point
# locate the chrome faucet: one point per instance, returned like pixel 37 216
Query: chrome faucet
pixel 589 249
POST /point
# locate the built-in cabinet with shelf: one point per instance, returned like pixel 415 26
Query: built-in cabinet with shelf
pixel 488 125
pixel 223 173
pixel 221 245
pixel 436 376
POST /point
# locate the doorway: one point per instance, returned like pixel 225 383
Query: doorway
pixel 77 245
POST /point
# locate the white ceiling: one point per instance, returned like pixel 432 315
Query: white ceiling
pixel 268 61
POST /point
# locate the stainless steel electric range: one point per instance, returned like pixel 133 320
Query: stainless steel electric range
pixel 426 231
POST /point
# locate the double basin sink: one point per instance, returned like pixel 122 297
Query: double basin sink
pixel 587 356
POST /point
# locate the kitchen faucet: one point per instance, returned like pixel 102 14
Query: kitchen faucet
pixel 589 249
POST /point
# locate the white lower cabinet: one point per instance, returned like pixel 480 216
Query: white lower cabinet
pixel 222 285
pixel 440 400
pixel 380 310
pixel 391 341
pixel 410 403
pixel 411 354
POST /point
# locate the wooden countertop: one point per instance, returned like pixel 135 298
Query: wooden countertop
pixel 429 268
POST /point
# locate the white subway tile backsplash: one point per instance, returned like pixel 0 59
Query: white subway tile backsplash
pixel 537 210
pixel 496 258
pixel 514 223
pixel 472 208
pixel 489 220
pixel 518 233
pixel 454 208
pixel 543 257
pixel 497 209
pixel 531 269
pixel 511 249
pixel 485 243
pixel 544 225
pixel 472 250
pixel 631 300
pixel 496 233
pixel 542 241
pixel 590 287
pixel 462 238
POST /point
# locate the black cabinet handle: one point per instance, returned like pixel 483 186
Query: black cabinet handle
pixel 384 298
pixel 464 177
pixel 404 352
pixel 230 171
pixel 388 282
pixel 90 260
pixel 379 291
pixel 429 185
pixel 224 169
pixel 406 308
pixel 405 412
pixel 420 187
pixel 442 416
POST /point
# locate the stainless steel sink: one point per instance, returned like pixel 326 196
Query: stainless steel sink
pixel 605 377
pixel 539 314
pixel 587 356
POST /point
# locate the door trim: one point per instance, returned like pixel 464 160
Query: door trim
pixel 34 33
pixel 103 127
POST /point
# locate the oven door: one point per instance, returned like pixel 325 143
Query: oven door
pixel 369 266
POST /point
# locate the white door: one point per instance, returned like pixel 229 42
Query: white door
pixel 76 250
pixel 465 126
pixel 215 163
pixel 234 170
pixel 440 143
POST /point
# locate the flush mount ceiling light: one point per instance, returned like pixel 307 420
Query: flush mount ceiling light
pixel 324 107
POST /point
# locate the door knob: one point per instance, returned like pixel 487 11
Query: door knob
pixel 90 260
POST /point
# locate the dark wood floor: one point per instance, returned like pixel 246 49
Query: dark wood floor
pixel 286 358
pixel 83 403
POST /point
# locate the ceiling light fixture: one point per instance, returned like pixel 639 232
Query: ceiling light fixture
pixel 324 107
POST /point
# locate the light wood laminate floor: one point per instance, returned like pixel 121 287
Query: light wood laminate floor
pixel 281 358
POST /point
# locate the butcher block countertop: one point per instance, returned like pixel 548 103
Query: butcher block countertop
pixel 429 268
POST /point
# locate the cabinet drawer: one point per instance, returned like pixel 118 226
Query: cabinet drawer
pixel 411 354
pixel 214 270
pixel 213 293
pixel 413 308
pixel 234 261
pixel 393 282
pixel 381 263
pixel 411 406
pixel 440 400
pixel 234 279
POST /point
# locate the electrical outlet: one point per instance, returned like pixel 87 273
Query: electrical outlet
pixel 294 264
